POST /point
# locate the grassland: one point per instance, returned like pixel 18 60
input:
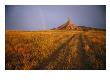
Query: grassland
pixel 55 50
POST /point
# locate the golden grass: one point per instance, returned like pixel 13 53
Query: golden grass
pixel 55 49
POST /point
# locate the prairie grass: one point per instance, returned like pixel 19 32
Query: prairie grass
pixel 55 49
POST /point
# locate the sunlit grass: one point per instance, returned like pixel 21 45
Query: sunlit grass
pixel 55 49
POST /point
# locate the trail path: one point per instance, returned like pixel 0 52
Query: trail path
pixel 54 55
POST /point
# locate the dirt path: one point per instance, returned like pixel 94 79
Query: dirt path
pixel 64 58
pixel 82 57
pixel 61 62
pixel 54 55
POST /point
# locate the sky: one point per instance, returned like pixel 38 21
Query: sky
pixel 43 17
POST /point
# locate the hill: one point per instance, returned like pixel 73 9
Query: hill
pixel 69 25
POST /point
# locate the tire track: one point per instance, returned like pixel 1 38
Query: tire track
pixel 78 62
pixel 64 53
pixel 81 61
pixel 54 55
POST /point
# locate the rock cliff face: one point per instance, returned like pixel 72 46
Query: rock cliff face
pixel 69 25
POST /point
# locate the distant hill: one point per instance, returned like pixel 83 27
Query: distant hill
pixel 69 25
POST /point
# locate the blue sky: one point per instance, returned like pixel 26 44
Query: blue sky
pixel 42 17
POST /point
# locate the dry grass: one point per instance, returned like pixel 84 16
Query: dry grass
pixel 55 50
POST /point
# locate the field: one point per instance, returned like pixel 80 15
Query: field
pixel 55 50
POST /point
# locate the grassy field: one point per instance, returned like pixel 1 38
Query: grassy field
pixel 55 50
